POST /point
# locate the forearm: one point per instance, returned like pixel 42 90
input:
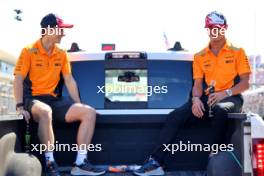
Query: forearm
pixel 240 87
pixel 197 90
pixel 18 89
pixel 73 90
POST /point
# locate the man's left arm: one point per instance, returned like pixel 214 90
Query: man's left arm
pixel 72 88
pixel 243 84
pixel 244 71
pixel 69 81
pixel 237 89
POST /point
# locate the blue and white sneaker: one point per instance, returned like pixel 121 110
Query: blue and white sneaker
pixel 86 168
pixel 150 167
pixel 52 169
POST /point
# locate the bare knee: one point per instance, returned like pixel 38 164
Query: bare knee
pixel 89 110
pixel 89 114
pixel 86 113
pixel 80 112
pixel 42 112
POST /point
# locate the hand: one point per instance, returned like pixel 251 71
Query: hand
pixel 198 107
pixel 24 113
pixel 216 97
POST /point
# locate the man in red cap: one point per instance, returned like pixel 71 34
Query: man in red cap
pixel 220 63
pixel 36 84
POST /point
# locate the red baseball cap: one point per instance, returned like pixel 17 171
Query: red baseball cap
pixel 215 19
pixel 52 20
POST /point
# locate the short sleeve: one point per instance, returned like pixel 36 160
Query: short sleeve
pixel 66 67
pixel 23 64
pixel 242 63
pixel 197 70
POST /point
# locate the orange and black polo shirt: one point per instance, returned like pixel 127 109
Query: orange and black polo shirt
pixel 223 69
pixel 43 72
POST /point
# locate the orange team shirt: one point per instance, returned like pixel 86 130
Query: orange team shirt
pixel 223 69
pixel 42 70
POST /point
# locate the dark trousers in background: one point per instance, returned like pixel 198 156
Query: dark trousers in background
pixel 183 115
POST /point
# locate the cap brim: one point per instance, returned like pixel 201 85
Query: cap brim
pixel 65 26
pixel 216 26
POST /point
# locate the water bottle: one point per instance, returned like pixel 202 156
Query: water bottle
pixel 27 139
pixel 211 89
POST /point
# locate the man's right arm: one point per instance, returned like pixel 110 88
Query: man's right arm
pixel 197 105
pixel 18 93
pixel 198 76
pixel 197 90
pixel 20 72
pixel 18 88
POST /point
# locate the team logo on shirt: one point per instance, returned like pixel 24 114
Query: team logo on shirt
pixel 229 59
pixel 207 63
pixel 57 64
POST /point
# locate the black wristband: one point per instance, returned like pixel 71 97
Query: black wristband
pixel 18 105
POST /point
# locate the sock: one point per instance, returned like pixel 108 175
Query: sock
pixel 81 155
pixel 49 157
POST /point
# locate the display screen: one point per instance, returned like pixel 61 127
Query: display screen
pixel 126 85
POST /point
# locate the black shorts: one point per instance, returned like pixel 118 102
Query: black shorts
pixel 59 106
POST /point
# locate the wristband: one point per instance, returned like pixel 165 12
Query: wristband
pixel 194 98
